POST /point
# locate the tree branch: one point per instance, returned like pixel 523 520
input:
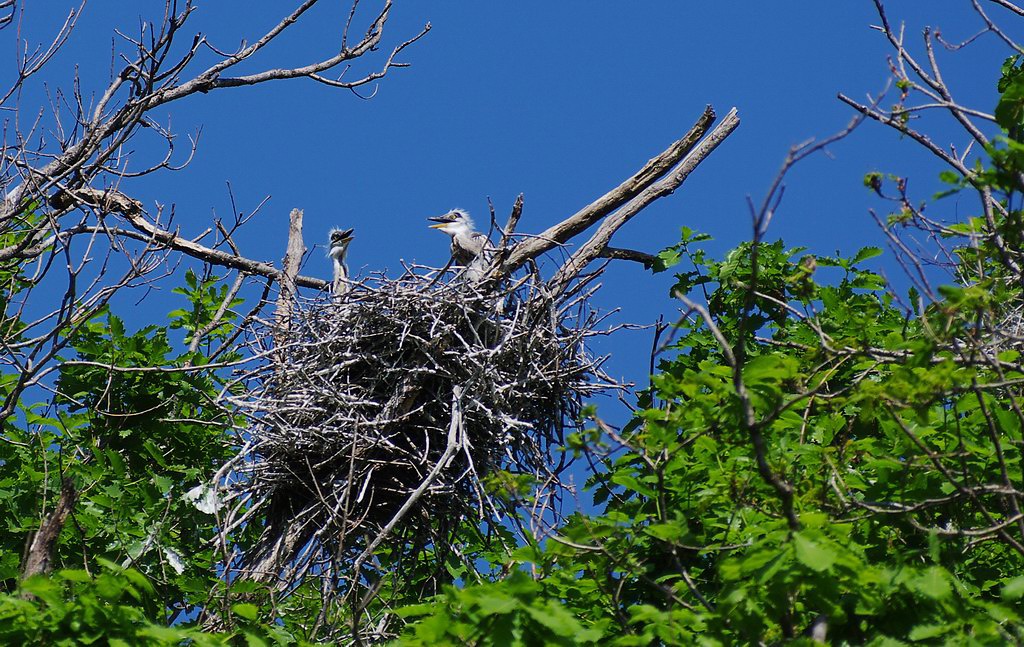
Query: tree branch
pixel 292 259
pixel 39 556
pixel 667 185
pixel 112 201
pixel 607 203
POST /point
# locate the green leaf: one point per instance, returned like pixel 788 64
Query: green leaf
pixel 496 603
pixel 554 616
pixel 165 635
pixel 415 610
pixel 925 632
pixel 665 531
pixel 74 575
pixel 866 253
pixel 812 554
pixel 246 610
pixel 1013 589
pixel 933 582
pixel 254 640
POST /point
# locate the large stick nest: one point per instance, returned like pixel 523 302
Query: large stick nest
pixel 388 408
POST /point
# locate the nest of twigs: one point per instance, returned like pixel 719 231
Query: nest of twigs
pixel 387 410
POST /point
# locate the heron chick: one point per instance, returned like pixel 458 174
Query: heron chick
pixel 469 247
pixel 340 238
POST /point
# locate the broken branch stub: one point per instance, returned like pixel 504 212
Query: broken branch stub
pixel 290 263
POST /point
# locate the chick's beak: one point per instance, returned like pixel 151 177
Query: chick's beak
pixel 441 220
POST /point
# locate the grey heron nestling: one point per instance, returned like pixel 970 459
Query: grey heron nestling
pixel 469 247
pixel 340 238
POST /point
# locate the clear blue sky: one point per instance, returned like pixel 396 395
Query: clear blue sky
pixel 557 100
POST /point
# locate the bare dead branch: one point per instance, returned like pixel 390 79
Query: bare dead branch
pixel 616 253
pixel 292 259
pixel 589 215
pixel 112 201
pixel 1006 4
pixel 655 189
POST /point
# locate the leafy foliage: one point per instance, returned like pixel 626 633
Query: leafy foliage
pixel 507 612
pixel 133 426
pixel 115 607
